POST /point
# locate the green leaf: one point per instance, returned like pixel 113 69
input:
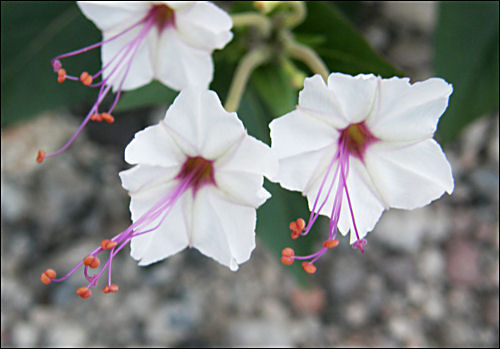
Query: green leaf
pixel 466 49
pixel 343 49
pixel 32 34
pixel 275 88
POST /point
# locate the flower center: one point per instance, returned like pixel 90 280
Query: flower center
pixel 164 16
pixel 197 171
pixel 357 137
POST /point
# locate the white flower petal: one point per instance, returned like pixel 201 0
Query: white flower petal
pixel 171 236
pixel 223 230
pixel 114 15
pixel 298 132
pixel 179 64
pixel 249 155
pixel 205 26
pixel 355 95
pixel 242 187
pixel 299 172
pixel 409 112
pixel 318 100
pixel 154 146
pixel 409 176
pixel 135 62
pixel 142 176
pixel 199 118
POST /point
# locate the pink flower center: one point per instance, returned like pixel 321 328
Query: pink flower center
pixel 357 137
pixel 164 16
pixel 200 171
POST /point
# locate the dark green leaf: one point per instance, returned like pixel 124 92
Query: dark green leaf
pixel 343 48
pixel 466 49
pixel 32 34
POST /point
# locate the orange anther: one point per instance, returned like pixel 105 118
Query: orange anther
pixel 47 276
pixel 108 244
pixel 331 243
pixel 51 273
pixel 288 252
pixel 96 117
pixel 293 226
pixel 91 261
pixel 86 78
pixel 309 267
pixel 286 260
pixel 84 292
pixel 40 156
pixel 110 288
pixel 301 224
pixel 108 118
pixel 61 75
pixel 295 234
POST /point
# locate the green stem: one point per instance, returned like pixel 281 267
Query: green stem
pixel 298 14
pixel 305 54
pixel 253 19
pixel 247 65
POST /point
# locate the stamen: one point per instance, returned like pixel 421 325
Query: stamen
pixel 91 261
pixel 160 16
pixel 193 174
pixel 107 117
pixel 108 244
pixel 287 256
pixel 309 267
pixel 61 75
pixel 331 243
pixel 85 78
pixel 353 141
pixel 84 292
pixel 110 288
pixel 47 276
pixel 40 156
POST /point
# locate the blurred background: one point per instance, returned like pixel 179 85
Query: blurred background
pixel 430 277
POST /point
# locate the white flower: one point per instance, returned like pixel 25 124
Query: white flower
pixel 360 145
pixel 172 41
pixel 208 173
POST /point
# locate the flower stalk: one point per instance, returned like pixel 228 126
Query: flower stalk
pixel 247 65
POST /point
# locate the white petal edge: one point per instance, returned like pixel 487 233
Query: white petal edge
pixel 154 146
pixel 204 25
pixel 407 112
pixel 197 116
pixel 114 15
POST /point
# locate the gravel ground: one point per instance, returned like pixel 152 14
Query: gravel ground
pixel 429 278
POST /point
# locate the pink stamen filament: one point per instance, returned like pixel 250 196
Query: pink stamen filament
pixel 342 159
pixel 161 209
pixel 126 55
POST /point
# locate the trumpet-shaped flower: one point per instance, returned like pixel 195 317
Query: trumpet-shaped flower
pixel 197 182
pixel 171 41
pixel 357 146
